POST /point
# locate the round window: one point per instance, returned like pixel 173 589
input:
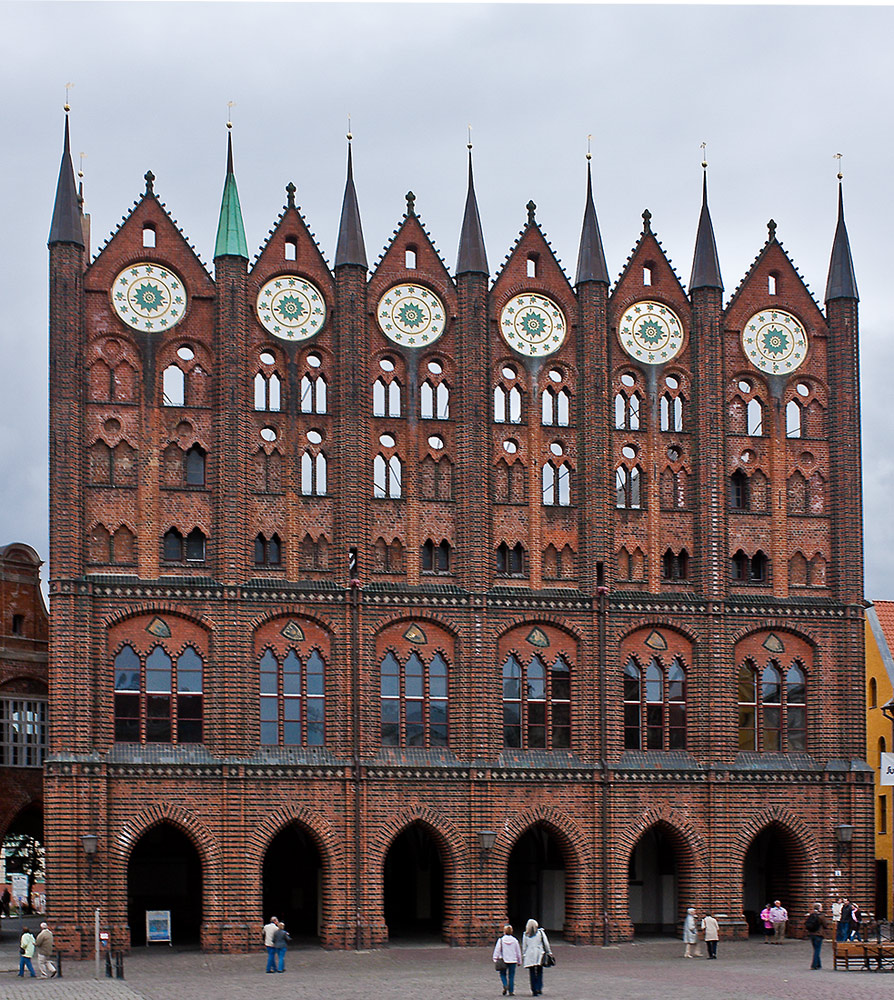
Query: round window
pixel 436 442
pixel 268 434
pixel 387 365
pixel 386 440
pixel 314 360
pixel 267 358
pixel 510 446
pixel 628 380
pixel 186 353
pixel 315 437
pixel 435 367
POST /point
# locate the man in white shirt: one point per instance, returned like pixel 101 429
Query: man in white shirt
pixel 778 917
pixel 269 930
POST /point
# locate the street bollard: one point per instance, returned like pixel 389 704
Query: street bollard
pixel 58 964
pixel 119 964
pixel 108 965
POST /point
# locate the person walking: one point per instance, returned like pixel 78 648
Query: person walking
pixel 690 934
pixel 280 940
pixel 816 926
pixel 535 945
pixel 712 934
pixel 843 927
pixel 507 952
pixel 44 945
pixel 26 952
pixel 778 917
pixel 767 922
pixel 269 930
pixel 4 903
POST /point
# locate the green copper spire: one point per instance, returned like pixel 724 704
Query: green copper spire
pixel 230 231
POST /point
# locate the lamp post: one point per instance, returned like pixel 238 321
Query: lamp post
pixel 90 841
pixel 888 712
pixel 486 841
pixel 844 834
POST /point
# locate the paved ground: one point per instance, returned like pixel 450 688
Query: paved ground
pixel 645 970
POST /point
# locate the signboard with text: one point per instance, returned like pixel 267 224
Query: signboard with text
pixel 886 769
pixel 158 927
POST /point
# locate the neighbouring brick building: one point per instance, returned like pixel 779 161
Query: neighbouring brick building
pixel 398 600
pixel 24 632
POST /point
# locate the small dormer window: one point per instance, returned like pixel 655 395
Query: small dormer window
pixel 291 248
pixel 532 265
pixel 148 236
pixel 647 275
pixel 771 284
pixel 410 258
pixel 18 624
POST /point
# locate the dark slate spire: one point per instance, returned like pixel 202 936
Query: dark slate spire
pixel 230 230
pixel 591 256
pixel 66 224
pixel 471 256
pixel 841 283
pixel 350 248
pixel 705 266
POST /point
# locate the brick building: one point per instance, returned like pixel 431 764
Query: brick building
pixel 24 631
pixel 396 601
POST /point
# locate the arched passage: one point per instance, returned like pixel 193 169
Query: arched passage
pixel 775 867
pixel 659 880
pixel 293 881
pixel 164 872
pixel 535 880
pixel 414 884
pixel 24 856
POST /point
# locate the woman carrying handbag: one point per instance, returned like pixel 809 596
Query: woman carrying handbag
pixel 507 955
pixel 537 955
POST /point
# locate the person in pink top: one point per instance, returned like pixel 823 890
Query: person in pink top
pixel 507 951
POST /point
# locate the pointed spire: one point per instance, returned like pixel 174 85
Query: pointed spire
pixel 471 258
pixel 841 283
pixel 591 257
pixel 705 265
pixel 350 248
pixel 230 230
pixel 66 224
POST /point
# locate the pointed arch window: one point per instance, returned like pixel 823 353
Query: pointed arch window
pixel 268 392
pixel 671 412
pixel 159 698
pixel 556 485
pixel 386 398
pixel 536 703
pixel 793 419
pixel 555 408
pixel 436 557
pixel 628 487
pixel 755 569
pixel 739 492
pixel 627 411
pixel 293 698
pixel 512 561
pixel 387 476
pixel 755 418
pixel 675 565
pixel 507 405
pixel 314 471
pixel 314 391
pixel 268 551
pixel 772 707
pixel 655 705
pixel 413 699
pixel 388 558
pixel 434 401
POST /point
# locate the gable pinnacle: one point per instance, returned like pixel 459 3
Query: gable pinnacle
pixel 471 256
pixel 591 256
pixel 411 203
pixel 841 282
pixel 290 194
pixel 647 221
pixel 531 207
pixel 149 178
pixel 705 265
pixel 349 248
pixel 771 231
pixel 66 224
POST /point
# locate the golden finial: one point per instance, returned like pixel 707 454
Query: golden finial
pixel 704 149
pixel 838 157
pixel 230 105
pixel 83 156
pixel 349 136
pixel 469 143
pixel 589 141
pixel 67 106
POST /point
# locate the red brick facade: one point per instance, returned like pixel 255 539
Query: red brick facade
pixel 330 662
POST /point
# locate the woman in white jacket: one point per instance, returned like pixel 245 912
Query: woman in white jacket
pixel 535 944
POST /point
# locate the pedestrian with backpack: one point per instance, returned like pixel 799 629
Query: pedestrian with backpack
pixel 816 925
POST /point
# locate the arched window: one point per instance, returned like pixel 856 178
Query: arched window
pixel 387 477
pixel 293 695
pixel 536 703
pixel 314 554
pixel 313 474
pixel 675 565
pixel 386 398
pixel 267 392
pixel 173 546
pixel 267 471
pixel 627 411
pixel 434 401
pixel 313 394
pixel 873 693
pixel 655 705
pixel 507 405
pixel 555 408
pixel 267 551
pixel 772 711
pixel 194 466
pixel 749 570
pixel 173 386
pixel 671 412
pixel 739 493
pixel 557 485
pixel 435 558
pixel 413 700
pixel 755 418
pixel 628 487
pixel 511 561
pixel 388 558
pixel 793 419
pixel 145 707
pixel 195 546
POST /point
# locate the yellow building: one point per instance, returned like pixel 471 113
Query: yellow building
pixel 880 739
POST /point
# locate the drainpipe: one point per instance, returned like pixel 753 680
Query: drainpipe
pixel 354 585
pixel 603 749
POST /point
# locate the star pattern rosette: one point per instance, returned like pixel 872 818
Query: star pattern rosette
pixel 533 325
pixel 411 315
pixel 774 342
pixel 148 297
pixel 291 308
pixel 651 332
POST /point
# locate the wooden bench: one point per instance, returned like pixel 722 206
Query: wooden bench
pixel 871 955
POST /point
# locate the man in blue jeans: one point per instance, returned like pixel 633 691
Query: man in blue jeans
pixel 269 930
pixel 816 925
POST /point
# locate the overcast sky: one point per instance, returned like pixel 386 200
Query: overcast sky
pixel 774 91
